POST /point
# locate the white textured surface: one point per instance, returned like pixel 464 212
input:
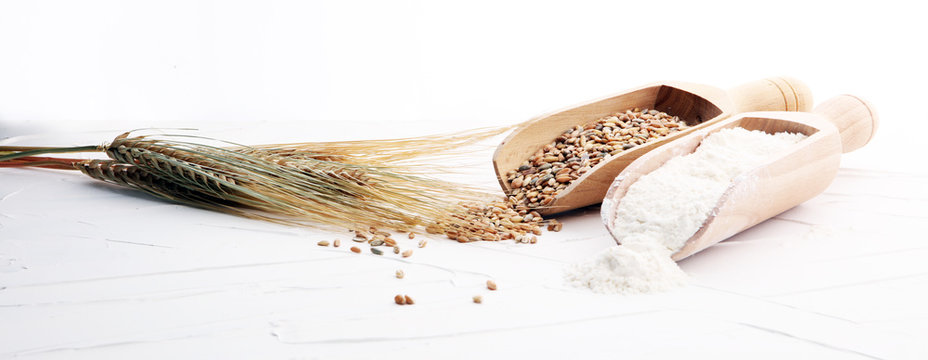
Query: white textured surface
pixel 88 271
pixel 91 271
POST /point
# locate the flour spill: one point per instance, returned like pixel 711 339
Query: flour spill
pixel 664 208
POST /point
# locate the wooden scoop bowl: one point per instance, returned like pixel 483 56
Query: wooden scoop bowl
pixel 699 105
pixel 841 124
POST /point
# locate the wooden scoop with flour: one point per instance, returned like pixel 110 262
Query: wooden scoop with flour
pixel 841 124
pixel 699 105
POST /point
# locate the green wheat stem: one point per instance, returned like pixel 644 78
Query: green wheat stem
pixel 32 151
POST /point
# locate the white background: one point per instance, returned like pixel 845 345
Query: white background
pixel 276 71
pixel 306 66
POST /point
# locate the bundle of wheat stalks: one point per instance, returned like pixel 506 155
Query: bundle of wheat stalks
pixel 357 184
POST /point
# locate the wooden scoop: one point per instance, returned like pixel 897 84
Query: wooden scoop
pixel 699 105
pixel 841 124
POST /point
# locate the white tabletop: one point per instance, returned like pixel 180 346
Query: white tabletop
pixel 94 270
pixel 89 270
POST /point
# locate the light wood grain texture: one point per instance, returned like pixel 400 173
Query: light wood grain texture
pixel 849 114
pixel 772 94
pixel 838 125
pixel 698 105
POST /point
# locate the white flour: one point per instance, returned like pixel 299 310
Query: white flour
pixel 663 209
pixel 628 269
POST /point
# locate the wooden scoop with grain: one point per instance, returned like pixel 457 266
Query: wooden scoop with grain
pixel 839 125
pixel 699 106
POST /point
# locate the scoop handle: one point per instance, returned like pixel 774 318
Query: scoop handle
pixel 771 94
pixel 855 118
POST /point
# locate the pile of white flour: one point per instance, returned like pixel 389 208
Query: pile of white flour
pixel 663 209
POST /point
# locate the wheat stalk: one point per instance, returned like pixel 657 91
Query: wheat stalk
pixel 387 152
pixel 134 177
pixel 308 183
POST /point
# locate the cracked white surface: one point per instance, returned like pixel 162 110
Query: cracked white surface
pixel 87 271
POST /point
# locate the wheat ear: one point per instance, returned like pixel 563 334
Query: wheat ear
pixel 326 192
pixel 354 184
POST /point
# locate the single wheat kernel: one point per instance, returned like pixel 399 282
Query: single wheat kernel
pixel 337 243
pixel 412 235
pixel 423 242
pixel 399 299
pixel 323 243
pixel 407 253
pixel 491 285
pixel 409 300
pixel 355 249
pixel 400 274
pixel 478 299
